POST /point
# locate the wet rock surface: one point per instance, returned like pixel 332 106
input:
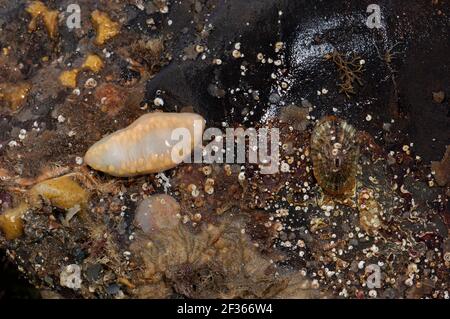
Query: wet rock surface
pixel 235 232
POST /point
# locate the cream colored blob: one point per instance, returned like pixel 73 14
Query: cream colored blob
pixel 146 145
pixel 157 212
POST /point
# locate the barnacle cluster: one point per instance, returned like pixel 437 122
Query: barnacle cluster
pixel 11 223
pixel 92 63
pixel 334 151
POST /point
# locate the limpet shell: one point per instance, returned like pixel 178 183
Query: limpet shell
pixel 334 152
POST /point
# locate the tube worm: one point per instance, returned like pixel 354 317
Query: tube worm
pixel 153 143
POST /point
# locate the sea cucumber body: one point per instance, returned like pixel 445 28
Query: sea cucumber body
pixel 335 152
pixel 145 146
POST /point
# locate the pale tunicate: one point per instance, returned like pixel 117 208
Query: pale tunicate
pixel 157 212
pixel 153 143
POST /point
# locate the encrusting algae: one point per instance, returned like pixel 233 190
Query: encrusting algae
pixel 335 152
pixel 62 192
pixel 92 63
pixel 69 78
pixel 11 223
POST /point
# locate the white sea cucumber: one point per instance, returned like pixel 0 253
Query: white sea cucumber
pixel 146 146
